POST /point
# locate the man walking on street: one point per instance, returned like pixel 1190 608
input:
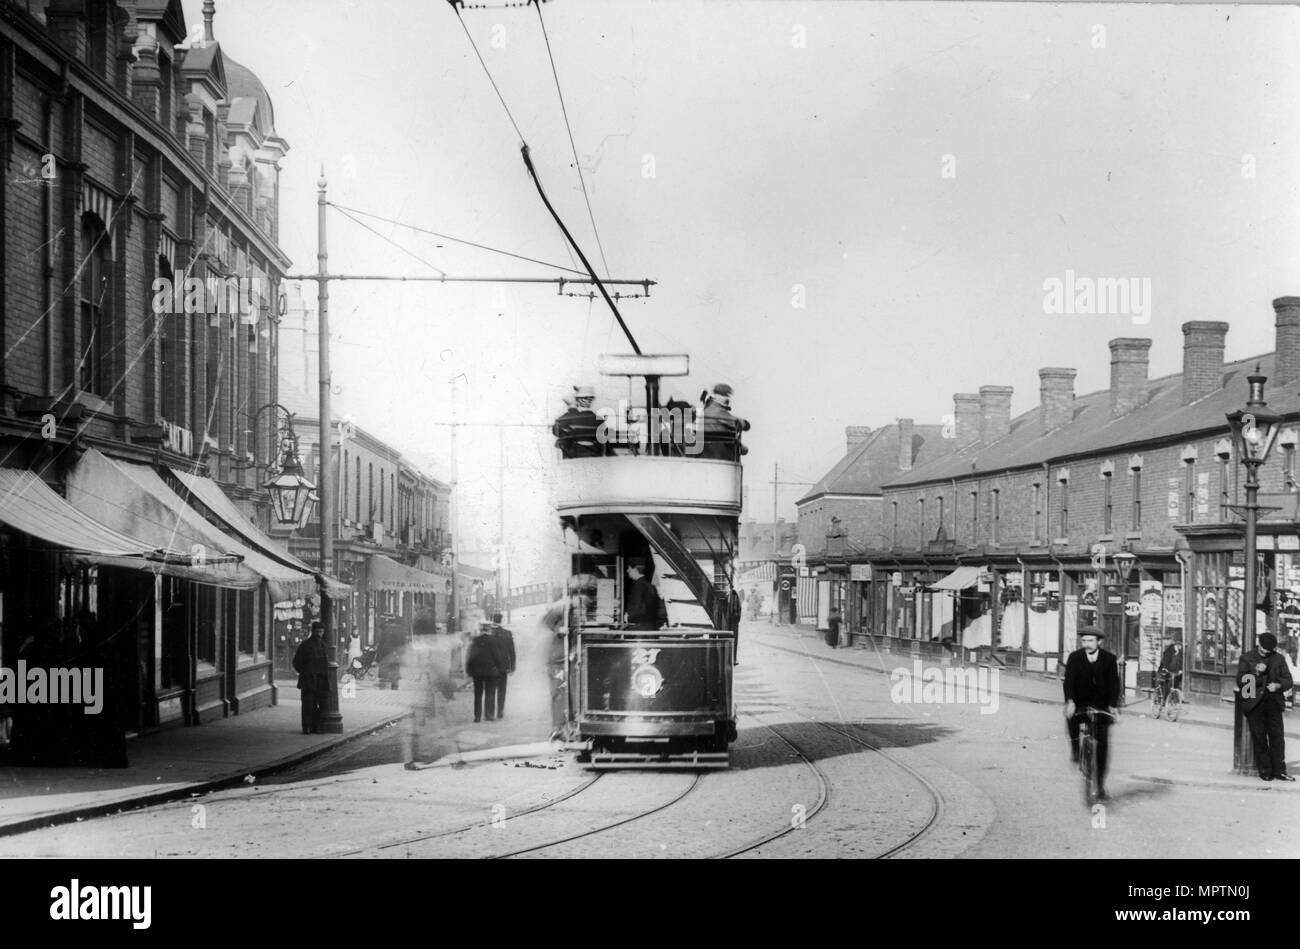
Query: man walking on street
pixel 313 678
pixel 1263 678
pixel 482 666
pixel 1092 681
pixel 504 644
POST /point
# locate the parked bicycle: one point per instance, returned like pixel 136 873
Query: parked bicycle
pixel 1088 765
pixel 1166 699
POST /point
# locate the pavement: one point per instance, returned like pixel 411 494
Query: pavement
pixel 1192 770
pixel 175 763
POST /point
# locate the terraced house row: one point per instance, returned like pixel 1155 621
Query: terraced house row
pixel 1120 508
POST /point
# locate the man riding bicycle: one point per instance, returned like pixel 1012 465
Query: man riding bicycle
pixel 1170 675
pixel 1092 681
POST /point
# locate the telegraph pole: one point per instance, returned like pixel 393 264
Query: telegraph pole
pixel 331 720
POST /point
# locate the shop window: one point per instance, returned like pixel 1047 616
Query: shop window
pixel 1218 599
pixel 262 624
pixel 206 620
pixel 245 609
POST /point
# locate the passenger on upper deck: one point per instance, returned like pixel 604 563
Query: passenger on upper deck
pixel 575 430
pixel 721 431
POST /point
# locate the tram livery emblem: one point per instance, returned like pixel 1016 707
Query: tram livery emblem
pixel 647 681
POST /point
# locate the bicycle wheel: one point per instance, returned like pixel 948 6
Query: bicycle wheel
pixel 1088 767
pixel 1156 704
pixel 1174 705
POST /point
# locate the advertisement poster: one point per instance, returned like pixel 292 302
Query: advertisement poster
pixel 1152 627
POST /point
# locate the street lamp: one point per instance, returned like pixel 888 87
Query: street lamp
pixel 1254 430
pixel 1124 562
pixel 292 495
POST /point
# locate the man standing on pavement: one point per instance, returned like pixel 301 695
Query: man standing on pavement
pixel 1092 681
pixel 313 678
pixel 1263 678
pixel 504 644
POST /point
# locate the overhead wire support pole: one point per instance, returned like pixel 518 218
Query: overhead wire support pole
pixel 528 163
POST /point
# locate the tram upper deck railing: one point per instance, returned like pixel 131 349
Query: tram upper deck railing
pixel 649 484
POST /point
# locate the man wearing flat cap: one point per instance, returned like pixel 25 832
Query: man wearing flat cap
pixel 575 431
pixel 1092 681
pixel 1262 680
pixel 721 428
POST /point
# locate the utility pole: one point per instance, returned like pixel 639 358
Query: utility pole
pixel 331 720
pixel 453 615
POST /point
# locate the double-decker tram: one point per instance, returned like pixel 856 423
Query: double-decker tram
pixel 649 498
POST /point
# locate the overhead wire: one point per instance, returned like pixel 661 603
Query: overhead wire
pixel 577 165
pixel 458 240
pixel 385 237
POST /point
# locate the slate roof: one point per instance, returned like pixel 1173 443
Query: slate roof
pixel 1092 430
pixel 869 466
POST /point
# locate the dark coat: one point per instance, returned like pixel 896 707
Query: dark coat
pixel 1172 660
pixel 575 432
pixel 484 658
pixel 309 663
pixel 721 432
pixel 505 646
pixel 1275 670
pixel 645 609
pixel 1092 684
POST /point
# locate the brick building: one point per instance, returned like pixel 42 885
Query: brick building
pixel 139 157
pixel 1113 508
pixel 842 516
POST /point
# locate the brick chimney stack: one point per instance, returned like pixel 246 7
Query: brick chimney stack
pixel 1203 343
pixel 1056 392
pixel 905 431
pixel 995 412
pixel 855 435
pixel 1287 367
pixel 1128 374
pixel 966 415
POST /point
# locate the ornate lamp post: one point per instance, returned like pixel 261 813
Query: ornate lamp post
pixel 292 495
pixel 1254 430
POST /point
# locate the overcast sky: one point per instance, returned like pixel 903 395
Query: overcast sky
pixel 914 171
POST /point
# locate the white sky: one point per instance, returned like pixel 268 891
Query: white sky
pixel 775 165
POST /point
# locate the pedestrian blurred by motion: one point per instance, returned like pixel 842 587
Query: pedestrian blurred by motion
pixel 556 620
pixel 1262 679
pixel 483 666
pixel 504 644
pixel 833 628
pixel 313 678
pixel 424 662
pixel 388 653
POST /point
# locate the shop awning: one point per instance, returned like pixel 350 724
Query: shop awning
pixel 387 574
pixel 30 505
pixel 134 500
pixel 209 493
pixel 959 579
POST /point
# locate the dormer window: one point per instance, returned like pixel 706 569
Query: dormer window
pixel 97 38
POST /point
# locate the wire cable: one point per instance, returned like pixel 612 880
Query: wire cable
pixel 384 237
pixel 577 165
pixel 458 240
pixel 455 5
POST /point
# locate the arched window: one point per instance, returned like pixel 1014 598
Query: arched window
pixel 96 302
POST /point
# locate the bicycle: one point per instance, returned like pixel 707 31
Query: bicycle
pixel 1169 705
pixel 1088 756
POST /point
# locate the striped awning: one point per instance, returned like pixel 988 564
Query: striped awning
pixel 764 573
pixel 959 579
pixel 167 247
pixel 30 505
pixel 99 202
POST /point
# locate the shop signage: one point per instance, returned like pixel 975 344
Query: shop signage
pixel 1288 541
pixel 1173 499
pixel 1133 609
pixel 1202 495
pixel 859 571
pixel 1174 607
pixel 907 591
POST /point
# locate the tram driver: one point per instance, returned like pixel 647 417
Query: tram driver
pixel 575 430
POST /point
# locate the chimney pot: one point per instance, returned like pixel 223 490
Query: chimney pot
pixel 1128 374
pixel 1203 344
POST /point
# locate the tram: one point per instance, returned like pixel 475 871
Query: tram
pixel 653 503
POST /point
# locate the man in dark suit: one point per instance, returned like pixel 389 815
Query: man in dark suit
pixel 482 664
pixel 313 678
pixel 645 608
pixel 504 645
pixel 1092 681
pixel 1171 661
pixel 1262 679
